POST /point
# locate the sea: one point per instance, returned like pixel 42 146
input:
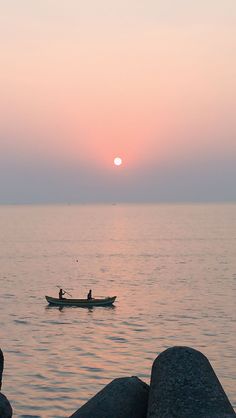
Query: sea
pixel 172 268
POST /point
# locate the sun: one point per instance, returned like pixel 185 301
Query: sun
pixel 117 161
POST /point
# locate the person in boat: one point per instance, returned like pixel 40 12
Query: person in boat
pixel 61 293
pixel 89 296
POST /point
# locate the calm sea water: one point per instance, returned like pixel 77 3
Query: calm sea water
pixel 172 267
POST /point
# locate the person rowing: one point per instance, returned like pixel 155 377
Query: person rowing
pixel 61 293
pixel 89 296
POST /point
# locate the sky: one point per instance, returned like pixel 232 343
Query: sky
pixel 153 82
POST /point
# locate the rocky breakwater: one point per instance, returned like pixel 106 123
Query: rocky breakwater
pixel 125 397
pixel 5 407
pixel 183 385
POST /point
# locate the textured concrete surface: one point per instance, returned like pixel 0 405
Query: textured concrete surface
pixel 1 366
pixel 5 407
pixel 125 397
pixel 184 385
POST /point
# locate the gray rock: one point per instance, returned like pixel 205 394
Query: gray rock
pixel 184 385
pixel 5 407
pixel 125 397
pixel 1 366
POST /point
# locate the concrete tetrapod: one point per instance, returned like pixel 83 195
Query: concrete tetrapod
pixel 5 407
pixel 184 385
pixel 1 366
pixel 125 397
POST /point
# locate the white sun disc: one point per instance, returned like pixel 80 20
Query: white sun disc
pixel 117 161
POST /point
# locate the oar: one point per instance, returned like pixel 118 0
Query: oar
pixel 59 287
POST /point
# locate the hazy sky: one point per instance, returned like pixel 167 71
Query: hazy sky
pixel 152 81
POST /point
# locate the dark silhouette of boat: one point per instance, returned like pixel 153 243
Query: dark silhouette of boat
pixel 106 301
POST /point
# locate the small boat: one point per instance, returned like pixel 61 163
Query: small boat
pixel 82 303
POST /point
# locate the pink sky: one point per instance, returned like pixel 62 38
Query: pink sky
pixel 153 82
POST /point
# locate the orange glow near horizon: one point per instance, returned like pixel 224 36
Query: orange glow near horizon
pixel 111 84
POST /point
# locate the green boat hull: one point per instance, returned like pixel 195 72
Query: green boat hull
pixel 82 303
